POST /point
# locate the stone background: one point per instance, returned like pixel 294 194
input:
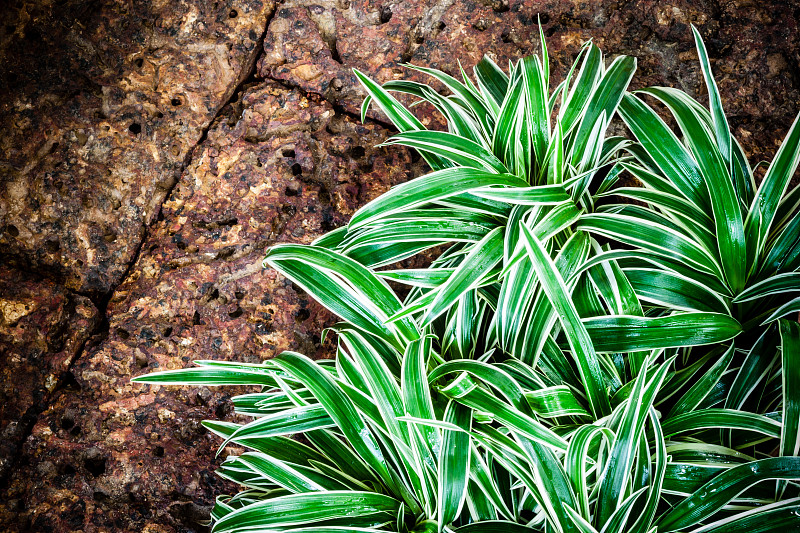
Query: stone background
pixel 152 150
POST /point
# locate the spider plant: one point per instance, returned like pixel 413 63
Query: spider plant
pixel 396 438
pixel 498 170
pixel 529 379
pixel 707 238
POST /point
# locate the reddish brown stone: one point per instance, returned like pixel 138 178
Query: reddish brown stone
pixel 107 98
pixel 42 329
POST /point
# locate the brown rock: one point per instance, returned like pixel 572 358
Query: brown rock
pixel 42 329
pixel 108 99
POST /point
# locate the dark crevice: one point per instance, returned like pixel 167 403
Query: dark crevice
pixel 67 379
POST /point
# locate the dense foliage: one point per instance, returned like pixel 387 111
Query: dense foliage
pixel 581 355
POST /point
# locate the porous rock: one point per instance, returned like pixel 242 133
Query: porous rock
pixel 42 328
pixel 103 101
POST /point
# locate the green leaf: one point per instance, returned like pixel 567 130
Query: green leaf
pixel 656 238
pixel 429 188
pixel 778 284
pixel 454 459
pixel 674 291
pixel 790 386
pixel 623 453
pixel 339 407
pixel 577 335
pixel 724 201
pixel 701 388
pixel 457 149
pixel 399 115
pixel 604 100
pixel 723 488
pixel 721 128
pixel 779 516
pixel 721 418
pixel 352 508
pixel 633 333
pixel 661 144
pixel 345 287
pixel 481 258
pixel 773 187
pixel 539 195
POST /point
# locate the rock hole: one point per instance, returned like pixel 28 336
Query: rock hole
pixel 291 191
pixel 66 470
pixel 123 334
pixel 335 52
pixel 236 313
pixel 386 14
pixel 302 315
pixel 158 451
pixel 176 102
pixel 357 152
pixel 96 466
pixel 69 382
pixel 505 36
pixel 135 128
pixel 544 18
pixel 67 422
pixel 159 114
pixel 440 26
pixel 196 319
pixel 12 230
pixel 167 332
pixel 138 62
pixel 288 152
pixel 500 6
pixel 419 38
pixel 99 496
pixel 239 295
pixel 222 410
pixel 110 237
pixel 233 14
pixel 297 169
pixel 52 246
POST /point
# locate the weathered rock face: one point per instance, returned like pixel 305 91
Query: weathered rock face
pixel 284 161
pixel 105 101
pixel 42 328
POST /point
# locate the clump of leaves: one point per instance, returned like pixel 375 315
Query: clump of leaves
pixel 533 378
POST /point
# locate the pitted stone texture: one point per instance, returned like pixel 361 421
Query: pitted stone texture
pixel 42 329
pixel 277 167
pixel 315 46
pixel 102 103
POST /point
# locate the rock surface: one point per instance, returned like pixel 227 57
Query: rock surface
pixel 106 101
pixel 150 237
pixel 42 329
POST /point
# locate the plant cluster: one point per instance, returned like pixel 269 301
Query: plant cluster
pixel 580 355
